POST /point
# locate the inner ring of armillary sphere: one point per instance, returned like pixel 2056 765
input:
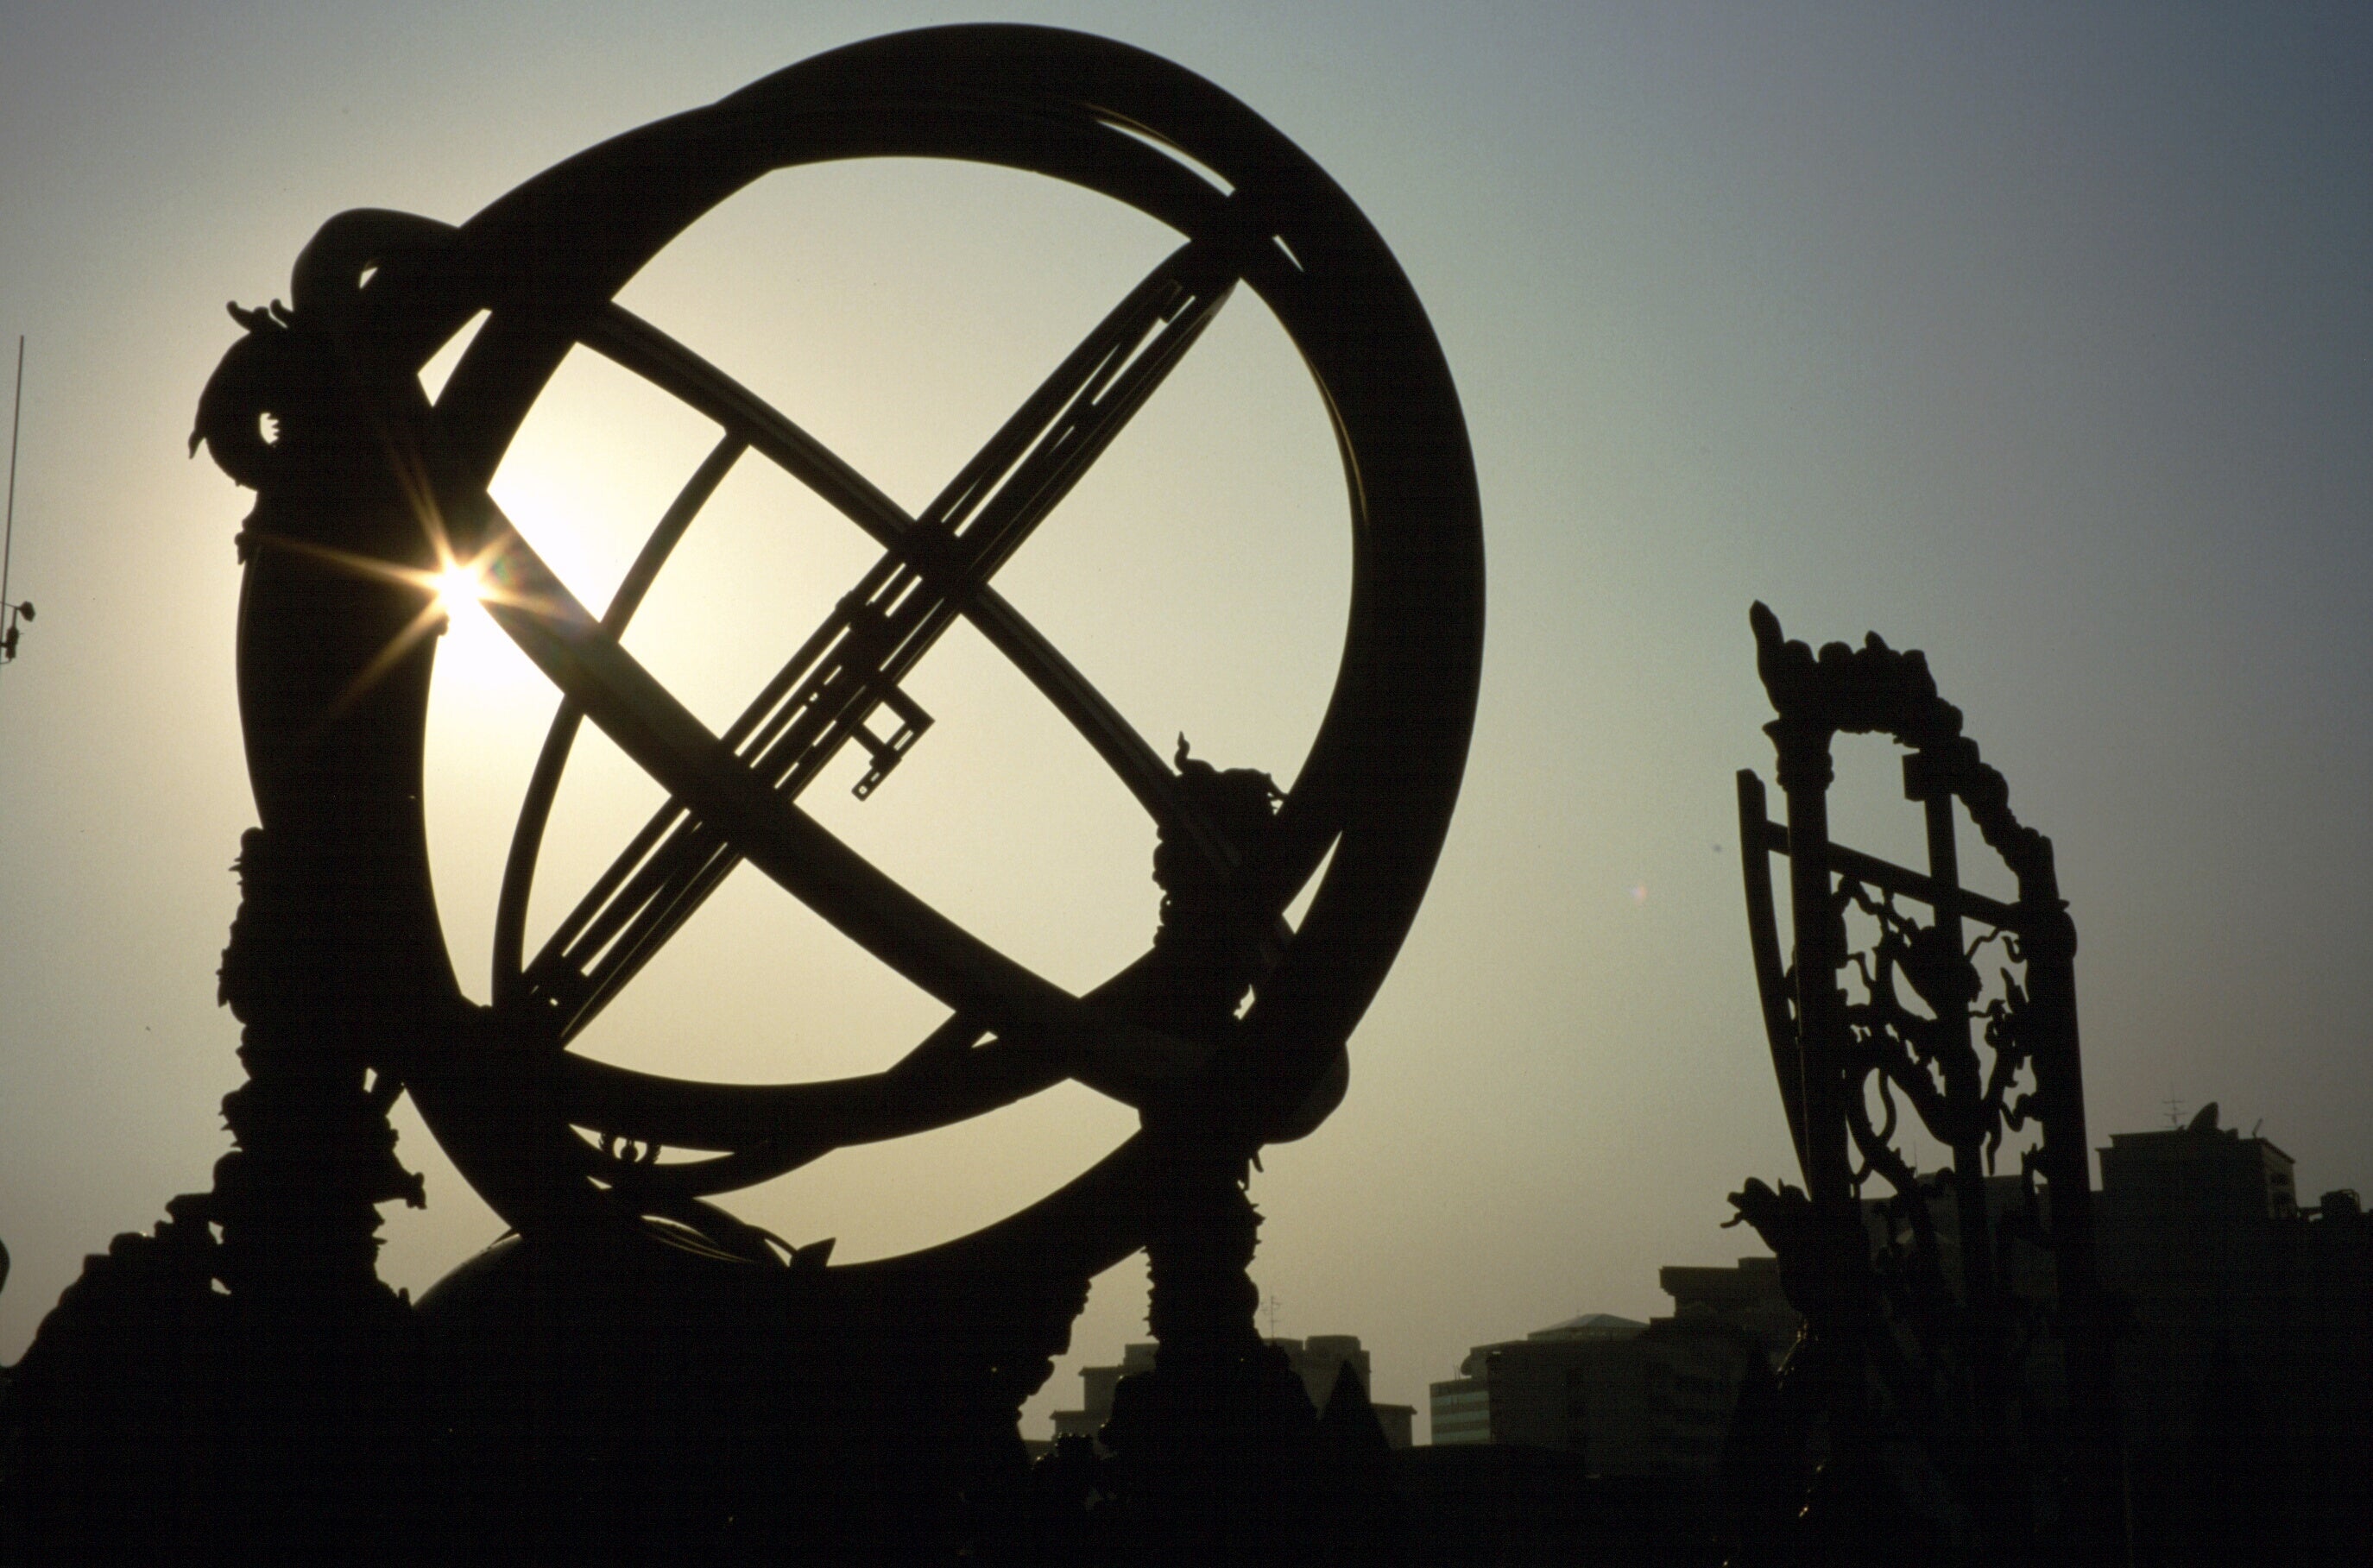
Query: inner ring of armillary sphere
pixel 1375 789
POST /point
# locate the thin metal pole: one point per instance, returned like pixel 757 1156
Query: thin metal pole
pixel 16 421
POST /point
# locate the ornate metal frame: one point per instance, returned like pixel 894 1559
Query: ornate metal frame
pixel 340 967
pixel 1831 1054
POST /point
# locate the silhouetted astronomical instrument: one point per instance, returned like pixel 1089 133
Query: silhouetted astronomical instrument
pixel 352 463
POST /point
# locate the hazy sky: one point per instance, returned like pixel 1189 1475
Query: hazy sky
pixel 2037 337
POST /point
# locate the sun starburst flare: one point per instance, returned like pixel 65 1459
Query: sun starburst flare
pixel 456 587
pixel 459 588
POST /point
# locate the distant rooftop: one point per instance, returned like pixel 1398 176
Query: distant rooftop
pixel 2178 1140
pixel 1590 1325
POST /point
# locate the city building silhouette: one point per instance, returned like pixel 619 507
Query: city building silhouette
pixel 1319 1361
pixel 1633 1398
pixel 2244 1358
pixel 2245 1362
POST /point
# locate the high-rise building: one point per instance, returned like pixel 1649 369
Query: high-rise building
pixel 1527 1391
pixel 1633 1398
pixel 2246 1361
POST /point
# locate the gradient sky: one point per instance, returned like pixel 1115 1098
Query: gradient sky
pixel 2038 337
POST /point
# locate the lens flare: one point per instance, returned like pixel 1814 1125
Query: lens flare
pixel 459 588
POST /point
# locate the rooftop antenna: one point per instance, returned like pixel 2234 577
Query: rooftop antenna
pixel 2174 1108
pixel 10 609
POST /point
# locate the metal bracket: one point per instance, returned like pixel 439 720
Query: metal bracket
pixel 887 754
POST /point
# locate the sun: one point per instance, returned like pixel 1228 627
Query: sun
pixel 458 590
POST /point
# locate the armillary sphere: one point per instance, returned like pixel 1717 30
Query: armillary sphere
pixel 354 460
